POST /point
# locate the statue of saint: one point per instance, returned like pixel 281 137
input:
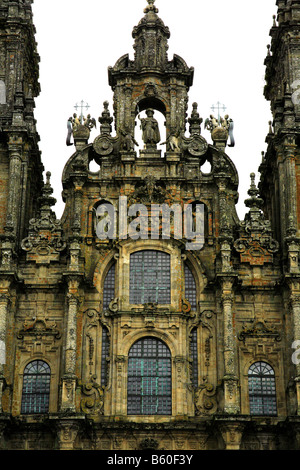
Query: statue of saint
pixel 149 126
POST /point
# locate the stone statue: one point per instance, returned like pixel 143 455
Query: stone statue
pixel 89 122
pixel 76 122
pixel 127 141
pixel 172 142
pixel 149 126
pixel 211 123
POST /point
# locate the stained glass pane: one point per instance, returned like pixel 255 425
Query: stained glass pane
pixel 36 388
pixel 150 279
pixel 109 287
pixel 149 378
pixel 262 389
pixel 190 287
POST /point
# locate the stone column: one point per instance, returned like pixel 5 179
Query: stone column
pixel 295 306
pixel 231 390
pixel 291 180
pixel 69 378
pixel 14 193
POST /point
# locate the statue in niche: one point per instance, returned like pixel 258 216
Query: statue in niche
pixel 149 126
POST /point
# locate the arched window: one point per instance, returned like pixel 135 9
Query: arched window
pixel 262 390
pixel 109 287
pixel 194 355
pixel 36 388
pixel 149 378
pixel 150 277
pixel 190 287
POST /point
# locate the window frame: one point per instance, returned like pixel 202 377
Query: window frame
pixel 264 398
pixel 46 393
pixel 187 267
pixel 111 266
pixel 162 399
pixel 142 288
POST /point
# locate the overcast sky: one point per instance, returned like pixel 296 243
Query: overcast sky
pixel 225 41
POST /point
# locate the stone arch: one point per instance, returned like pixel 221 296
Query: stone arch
pixel 150 102
pixel 131 338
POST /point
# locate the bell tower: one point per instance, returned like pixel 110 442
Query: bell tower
pixel 150 81
pixel 280 168
pixel 20 161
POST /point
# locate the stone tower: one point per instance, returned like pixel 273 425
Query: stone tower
pixel 280 175
pixel 149 317
pixel 21 168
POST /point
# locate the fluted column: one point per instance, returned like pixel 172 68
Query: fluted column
pixel 15 173
pixel 230 379
pixel 69 377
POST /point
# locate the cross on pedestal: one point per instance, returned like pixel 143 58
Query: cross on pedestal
pixel 218 107
pixel 82 105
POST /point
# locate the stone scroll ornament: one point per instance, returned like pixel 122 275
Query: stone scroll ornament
pixel 92 401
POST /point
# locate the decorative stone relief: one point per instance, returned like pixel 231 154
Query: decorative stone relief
pixel 92 402
pixel 45 240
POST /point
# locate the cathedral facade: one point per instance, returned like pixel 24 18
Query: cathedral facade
pixel 149 317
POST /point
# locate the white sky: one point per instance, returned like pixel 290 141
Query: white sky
pixel 225 41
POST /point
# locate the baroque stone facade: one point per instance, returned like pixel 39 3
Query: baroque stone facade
pixel 136 340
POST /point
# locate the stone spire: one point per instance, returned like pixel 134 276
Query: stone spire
pixel 151 40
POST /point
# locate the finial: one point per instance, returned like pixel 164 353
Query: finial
pixel 195 120
pixel 105 119
pixel 151 7
pixel 255 202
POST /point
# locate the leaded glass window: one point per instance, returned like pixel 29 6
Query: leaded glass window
pixel 36 388
pixel 104 356
pixel 109 287
pixel 194 354
pixel 149 378
pixel 190 287
pixel 262 390
pixel 150 278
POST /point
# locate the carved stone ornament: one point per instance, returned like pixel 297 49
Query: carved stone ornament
pixel 92 401
pixel 103 145
pixel 45 239
pixel 205 399
pixel 198 146
pixel 149 444
pixel 256 245
pixel 39 327
pixel 149 192
pixel 256 251
pixel 259 328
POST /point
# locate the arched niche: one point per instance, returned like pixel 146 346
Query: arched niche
pixel 150 102
pixel 160 114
